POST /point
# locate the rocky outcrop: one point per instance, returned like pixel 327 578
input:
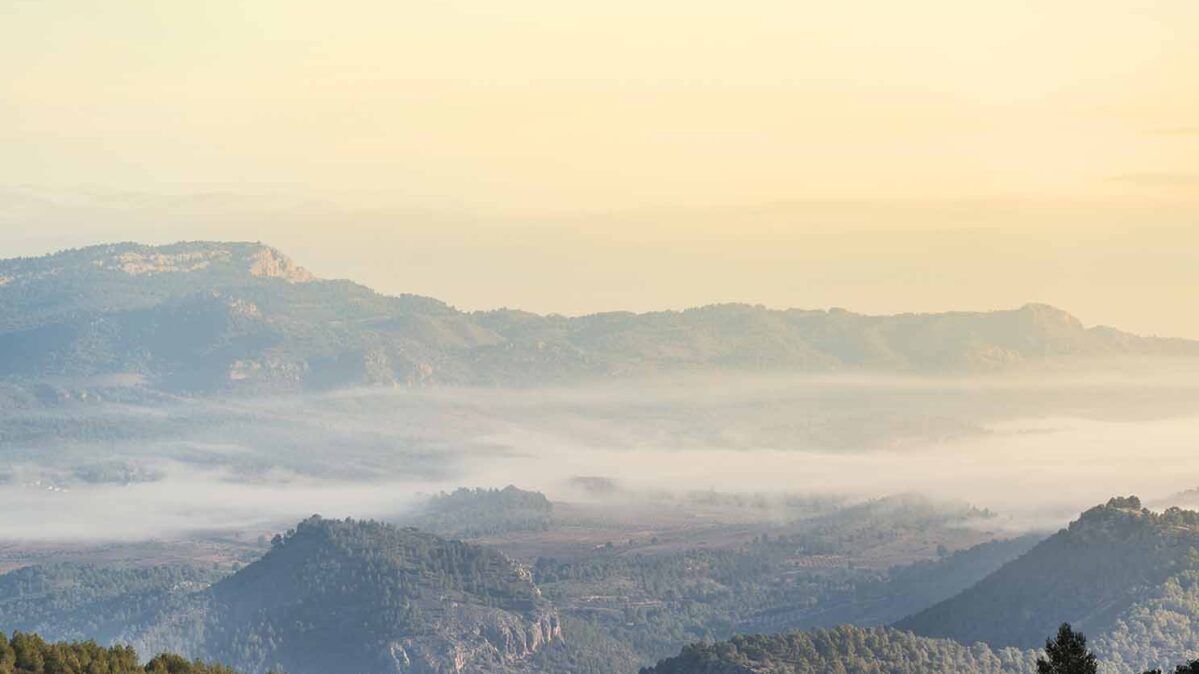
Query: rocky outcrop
pixel 476 641
pixel 144 263
pixel 270 263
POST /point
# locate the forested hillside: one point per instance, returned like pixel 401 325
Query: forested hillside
pixel 344 596
pixel 1123 574
pixel 467 513
pixel 397 593
pixel 363 597
pixel 26 653
pixel 105 604
pixel 845 650
pixel 204 317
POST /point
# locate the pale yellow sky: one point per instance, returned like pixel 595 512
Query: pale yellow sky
pixel 570 156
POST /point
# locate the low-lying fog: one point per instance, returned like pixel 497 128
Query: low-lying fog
pixel 1035 450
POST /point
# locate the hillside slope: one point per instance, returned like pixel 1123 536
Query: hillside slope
pixel 853 650
pixel 1124 575
pixel 364 598
pixel 206 316
pixel 329 596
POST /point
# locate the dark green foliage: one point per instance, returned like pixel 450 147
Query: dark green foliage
pixel 330 596
pixel 469 513
pixel 27 653
pixel 83 601
pixel 1098 574
pixel 1160 627
pixel 844 650
pixel 1067 653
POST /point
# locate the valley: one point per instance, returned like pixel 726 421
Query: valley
pixel 621 337
pixel 506 493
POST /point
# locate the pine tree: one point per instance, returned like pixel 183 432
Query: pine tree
pixel 1067 654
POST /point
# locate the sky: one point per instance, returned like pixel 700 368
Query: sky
pixel 630 154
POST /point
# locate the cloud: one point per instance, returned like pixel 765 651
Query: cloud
pixel 1036 449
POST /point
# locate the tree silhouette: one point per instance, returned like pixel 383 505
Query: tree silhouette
pixel 1067 654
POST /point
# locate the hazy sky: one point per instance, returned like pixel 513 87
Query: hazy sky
pixel 577 156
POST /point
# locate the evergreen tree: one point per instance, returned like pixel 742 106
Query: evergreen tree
pixel 1067 654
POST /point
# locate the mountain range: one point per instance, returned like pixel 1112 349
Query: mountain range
pixel 208 317
pixel 364 597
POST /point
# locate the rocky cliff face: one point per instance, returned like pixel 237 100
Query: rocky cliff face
pixel 476 641
pixel 210 261
pixel 270 263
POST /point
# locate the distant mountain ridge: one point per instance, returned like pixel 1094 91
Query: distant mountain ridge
pixel 207 316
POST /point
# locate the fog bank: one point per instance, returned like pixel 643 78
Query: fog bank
pixel 1035 450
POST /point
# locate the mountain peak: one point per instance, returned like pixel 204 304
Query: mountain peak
pixel 137 261
pixel 255 259
pixel 419 603
pixel 1047 316
pixel 270 263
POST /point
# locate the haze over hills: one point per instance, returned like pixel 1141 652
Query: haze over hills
pixel 353 596
pixel 363 597
pixel 330 595
pixel 605 338
pixel 205 316
pixel 1124 575
pixel 1127 576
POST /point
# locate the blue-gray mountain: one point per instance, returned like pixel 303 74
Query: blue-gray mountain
pixel 1125 575
pixel 206 317
pixel 366 597
pixel 330 596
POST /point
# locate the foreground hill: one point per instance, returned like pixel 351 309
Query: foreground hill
pixel 852 650
pixel 1124 575
pixel 213 316
pixel 330 596
pixel 364 598
pixel 622 605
